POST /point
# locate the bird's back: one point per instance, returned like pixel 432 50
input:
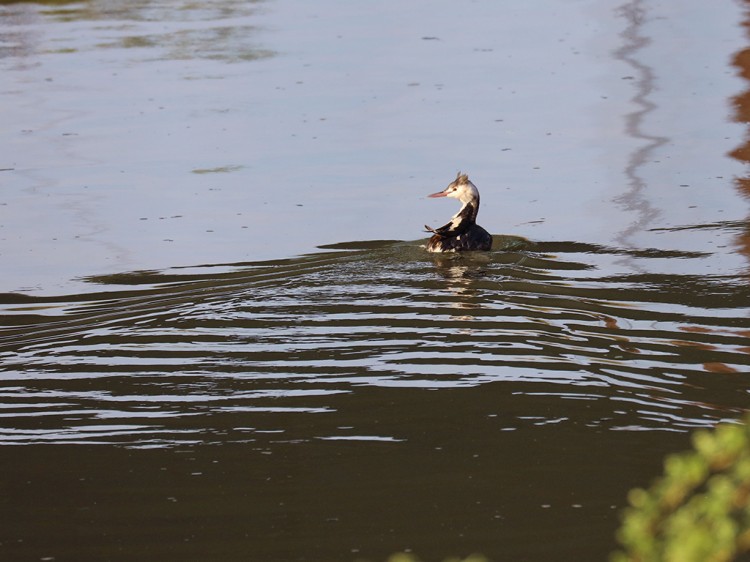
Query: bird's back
pixel 475 238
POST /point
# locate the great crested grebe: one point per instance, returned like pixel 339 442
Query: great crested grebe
pixel 462 233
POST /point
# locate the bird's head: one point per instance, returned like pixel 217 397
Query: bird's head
pixel 460 188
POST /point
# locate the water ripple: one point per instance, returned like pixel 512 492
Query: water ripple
pixel 162 358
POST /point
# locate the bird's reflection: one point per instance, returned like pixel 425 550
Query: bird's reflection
pixel 462 275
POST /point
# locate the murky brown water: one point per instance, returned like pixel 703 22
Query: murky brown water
pixel 175 384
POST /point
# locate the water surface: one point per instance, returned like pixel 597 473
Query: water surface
pixel 221 337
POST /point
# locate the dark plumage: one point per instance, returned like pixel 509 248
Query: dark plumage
pixel 462 233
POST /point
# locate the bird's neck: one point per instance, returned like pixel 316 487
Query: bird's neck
pixel 469 210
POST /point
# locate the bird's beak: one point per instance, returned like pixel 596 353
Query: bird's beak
pixel 438 194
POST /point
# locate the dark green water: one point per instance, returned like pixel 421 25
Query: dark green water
pixel 359 402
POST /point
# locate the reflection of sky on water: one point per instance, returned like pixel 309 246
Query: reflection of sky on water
pixel 329 122
pixel 678 174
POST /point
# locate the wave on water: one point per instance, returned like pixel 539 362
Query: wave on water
pixel 555 332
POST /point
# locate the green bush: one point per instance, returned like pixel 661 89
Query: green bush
pixel 699 510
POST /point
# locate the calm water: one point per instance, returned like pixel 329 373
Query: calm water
pixel 196 362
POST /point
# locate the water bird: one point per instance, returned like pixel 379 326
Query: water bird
pixel 462 233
